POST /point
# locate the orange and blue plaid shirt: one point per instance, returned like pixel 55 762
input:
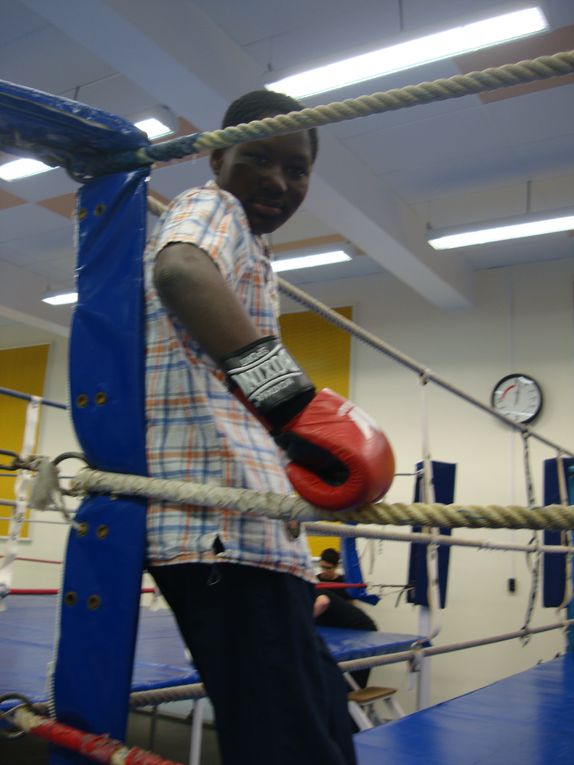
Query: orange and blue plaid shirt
pixel 196 430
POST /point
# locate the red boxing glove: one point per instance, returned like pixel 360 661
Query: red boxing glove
pixel 339 459
pixel 354 462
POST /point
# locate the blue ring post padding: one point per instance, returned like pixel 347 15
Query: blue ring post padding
pixel 59 130
pixel 443 477
pixel 353 573
pixel 103 567
pixel 107 373
pixel 99 616
pixel 554 565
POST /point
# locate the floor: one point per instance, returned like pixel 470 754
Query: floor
pixel 171 742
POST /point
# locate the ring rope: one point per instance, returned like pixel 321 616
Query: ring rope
pixel 21 485
pixel 294 508
pixel 98 747
pixel 565 536
pixel 537 556
pixel 418 652
pixel 330 529
pixel 458 86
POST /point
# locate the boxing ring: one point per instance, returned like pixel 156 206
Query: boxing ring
pixel 106 548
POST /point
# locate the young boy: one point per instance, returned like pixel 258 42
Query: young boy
pixel 240 586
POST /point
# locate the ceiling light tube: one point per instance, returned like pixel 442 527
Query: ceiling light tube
pixel 501 232
pixel 423 50
pixel 22 168
pixel 156 121
pixel 310 261
pixel 154 128
pixel 60 298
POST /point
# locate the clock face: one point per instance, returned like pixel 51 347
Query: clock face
pixel 517 397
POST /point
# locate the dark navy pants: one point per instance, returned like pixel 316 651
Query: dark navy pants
pixel 278 696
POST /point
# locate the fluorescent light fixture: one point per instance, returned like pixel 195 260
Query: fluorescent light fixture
pixel 423 50
pixel 502 232
pixel 310 261
pixel 60 298
pixel 22 168
pixel 154 128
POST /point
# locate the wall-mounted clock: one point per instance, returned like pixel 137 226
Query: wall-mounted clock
pixel 518 397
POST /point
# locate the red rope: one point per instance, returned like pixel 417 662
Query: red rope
pixel 15 591
pixel 98 747
pixel 36 560
pixel 338 585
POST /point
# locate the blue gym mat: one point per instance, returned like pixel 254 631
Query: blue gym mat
pixel 526 719
pixel 27 630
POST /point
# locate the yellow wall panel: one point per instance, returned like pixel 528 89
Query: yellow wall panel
pixel 324 352
pixel 23 370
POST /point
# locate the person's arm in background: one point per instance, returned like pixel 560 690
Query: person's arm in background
pixel 194 291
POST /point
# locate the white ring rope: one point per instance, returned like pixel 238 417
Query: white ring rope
pixel 294 508
pixel 21 491
pixel 428 495
pixel 325 528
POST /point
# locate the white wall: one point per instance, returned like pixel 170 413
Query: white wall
pixel 522 321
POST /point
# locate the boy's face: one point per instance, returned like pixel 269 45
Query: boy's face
pixel 328 570
pixel 270 177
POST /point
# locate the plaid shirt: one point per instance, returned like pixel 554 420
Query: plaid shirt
pixel 196 430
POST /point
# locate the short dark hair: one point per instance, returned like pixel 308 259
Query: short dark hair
pixel 265 103
pixel 330 555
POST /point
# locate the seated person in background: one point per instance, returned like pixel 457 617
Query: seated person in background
pixel 333 608
pixel 328 564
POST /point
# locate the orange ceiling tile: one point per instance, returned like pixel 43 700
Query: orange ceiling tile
pixel 8 200
pixel 63 205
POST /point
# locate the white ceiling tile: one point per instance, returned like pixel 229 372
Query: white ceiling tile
pixel 18 22
pixel 48 60
pixel 543 115
pixel 54 183
pixel 453 137
pixel 171 180
pixel 494 167
pixel 28 219
pixel 547 157
pixel 115 94
pixel 46 245
pixel 446 13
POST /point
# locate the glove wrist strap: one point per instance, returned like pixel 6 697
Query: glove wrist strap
pixel 269 379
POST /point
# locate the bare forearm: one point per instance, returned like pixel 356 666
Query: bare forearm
pixel 193 290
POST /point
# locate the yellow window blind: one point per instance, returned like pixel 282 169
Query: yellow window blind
pixel 23 370
pixel 324 352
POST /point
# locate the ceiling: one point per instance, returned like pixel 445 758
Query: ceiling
pixel 379 181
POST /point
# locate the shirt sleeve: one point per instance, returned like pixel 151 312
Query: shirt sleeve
pixel 208 220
